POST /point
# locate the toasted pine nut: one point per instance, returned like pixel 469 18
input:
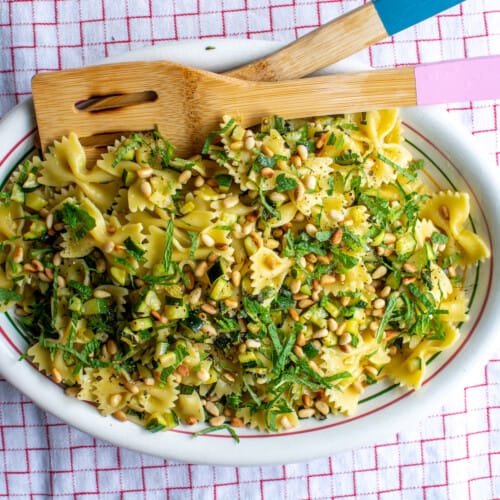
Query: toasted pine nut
pixel 300 191
pixel 115 400
pixel 301 339
pixel 230 201
pixel 201 269
pixel 345 338
pixel 337 236
pixel 231 303
pixel 199 181
pixel 298 351
pixel 203 374
pixel 320 334
pixel 182 370
pixel 43 277
pixel 267 151
pixel 145 188
pixel 311 230
pixel 237 422
pixel 307 401
pixel 295 286
pixel 296 161
pixel 310 182
pixel 207 240
pixel 332 324
pixel 191 420
pixel 408 267
pixel 444 211
pixel 108 247
pixel 212 409
pixel 57 259
pixel 378 304
pixel 144 172
pixel 184 176
pixel 101 294
pixel 379 272
pixel 216 421
pixel 132 388
pixel 327 279
pixel 208 308
pixel 56 375
pixel 267 173
pixel 293 314
pixel 302 152
pixel 18 255
pixel 305 303
pixel 38 266
pixel 322 407
pixel 306 412
pixel 120 415
pixel 249 143
pixel 385 292
pixel 253 343
pixel 236 278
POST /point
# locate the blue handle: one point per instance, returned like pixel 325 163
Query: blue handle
pixel 397 15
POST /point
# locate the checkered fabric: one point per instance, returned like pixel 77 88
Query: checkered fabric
pixel 452 454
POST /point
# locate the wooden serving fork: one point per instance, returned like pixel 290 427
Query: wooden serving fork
pixel 186 103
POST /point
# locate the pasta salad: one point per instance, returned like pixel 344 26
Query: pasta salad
pixel 271 278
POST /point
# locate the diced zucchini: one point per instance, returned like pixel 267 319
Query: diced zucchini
pixel 94 306
pixel 378 239
pixel 224 182
pixel 128 177
pixel 174 312
pixel 161 349
pixel 167 359
pixel 161 421
pixel 221 289
pixel 17 194
pixel 75 304
pixel 405 244
pixel 35 201
pixel 218 269
pixel 238 133
pixel 37 230
pixel 429 251
pixel 30 183
pixel 394 280
pixel 173 301
pixel 316 315
pixel 250 245
pixel 119 275
pixel 129 337
pixel 247 360
pixel 193 322
pixel 138 324
pixel 331 308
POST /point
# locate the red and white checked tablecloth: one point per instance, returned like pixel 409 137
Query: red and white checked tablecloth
pixel 454 453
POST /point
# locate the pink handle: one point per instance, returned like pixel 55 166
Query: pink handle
pixel 460 80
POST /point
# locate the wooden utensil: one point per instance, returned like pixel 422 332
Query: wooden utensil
pixel 340 38
pixel 186 104
pixel 334 41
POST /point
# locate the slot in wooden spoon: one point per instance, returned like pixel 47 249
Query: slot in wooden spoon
pixel 190 102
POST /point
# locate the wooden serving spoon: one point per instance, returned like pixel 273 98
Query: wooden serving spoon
pixel 186 103
pixel 341 38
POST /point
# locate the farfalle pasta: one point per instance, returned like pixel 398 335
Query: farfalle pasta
pixel 273 277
